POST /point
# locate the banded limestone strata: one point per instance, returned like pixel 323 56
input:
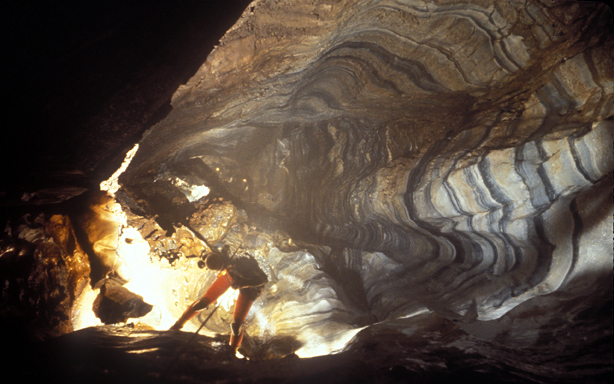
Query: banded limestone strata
pixel 443 146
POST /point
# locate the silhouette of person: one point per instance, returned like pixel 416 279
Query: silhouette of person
pixel 239 272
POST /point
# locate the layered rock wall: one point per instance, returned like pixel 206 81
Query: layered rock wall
pixel 445 143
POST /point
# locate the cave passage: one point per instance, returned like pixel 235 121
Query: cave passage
pixel 427 186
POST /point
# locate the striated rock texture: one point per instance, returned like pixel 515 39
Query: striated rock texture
pixel 441 156
pixel 43 269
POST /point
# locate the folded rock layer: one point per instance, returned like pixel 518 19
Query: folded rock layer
pixel 453 156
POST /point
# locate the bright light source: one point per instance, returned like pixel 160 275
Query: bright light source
pixel 317 346
pixel 416 313
pixel 111 185
pixel 82 314
pixel 139 351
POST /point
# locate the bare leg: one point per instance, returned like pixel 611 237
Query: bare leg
pixel 217 289
pixel 244 303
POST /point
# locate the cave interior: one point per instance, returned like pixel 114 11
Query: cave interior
pixel 427 186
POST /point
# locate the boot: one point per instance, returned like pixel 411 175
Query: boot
pixel 235 340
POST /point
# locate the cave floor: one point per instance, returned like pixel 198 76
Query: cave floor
pixel 123 354
pixel 109 354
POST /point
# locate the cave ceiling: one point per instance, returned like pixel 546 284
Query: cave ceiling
pixel 447 145
pixel 396 168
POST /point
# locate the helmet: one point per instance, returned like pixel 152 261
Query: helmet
pixel 216 261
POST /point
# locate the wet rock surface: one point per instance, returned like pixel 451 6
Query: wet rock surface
pixel 42 269
pixel 439 153
pixel 427 349
pixel 427 185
